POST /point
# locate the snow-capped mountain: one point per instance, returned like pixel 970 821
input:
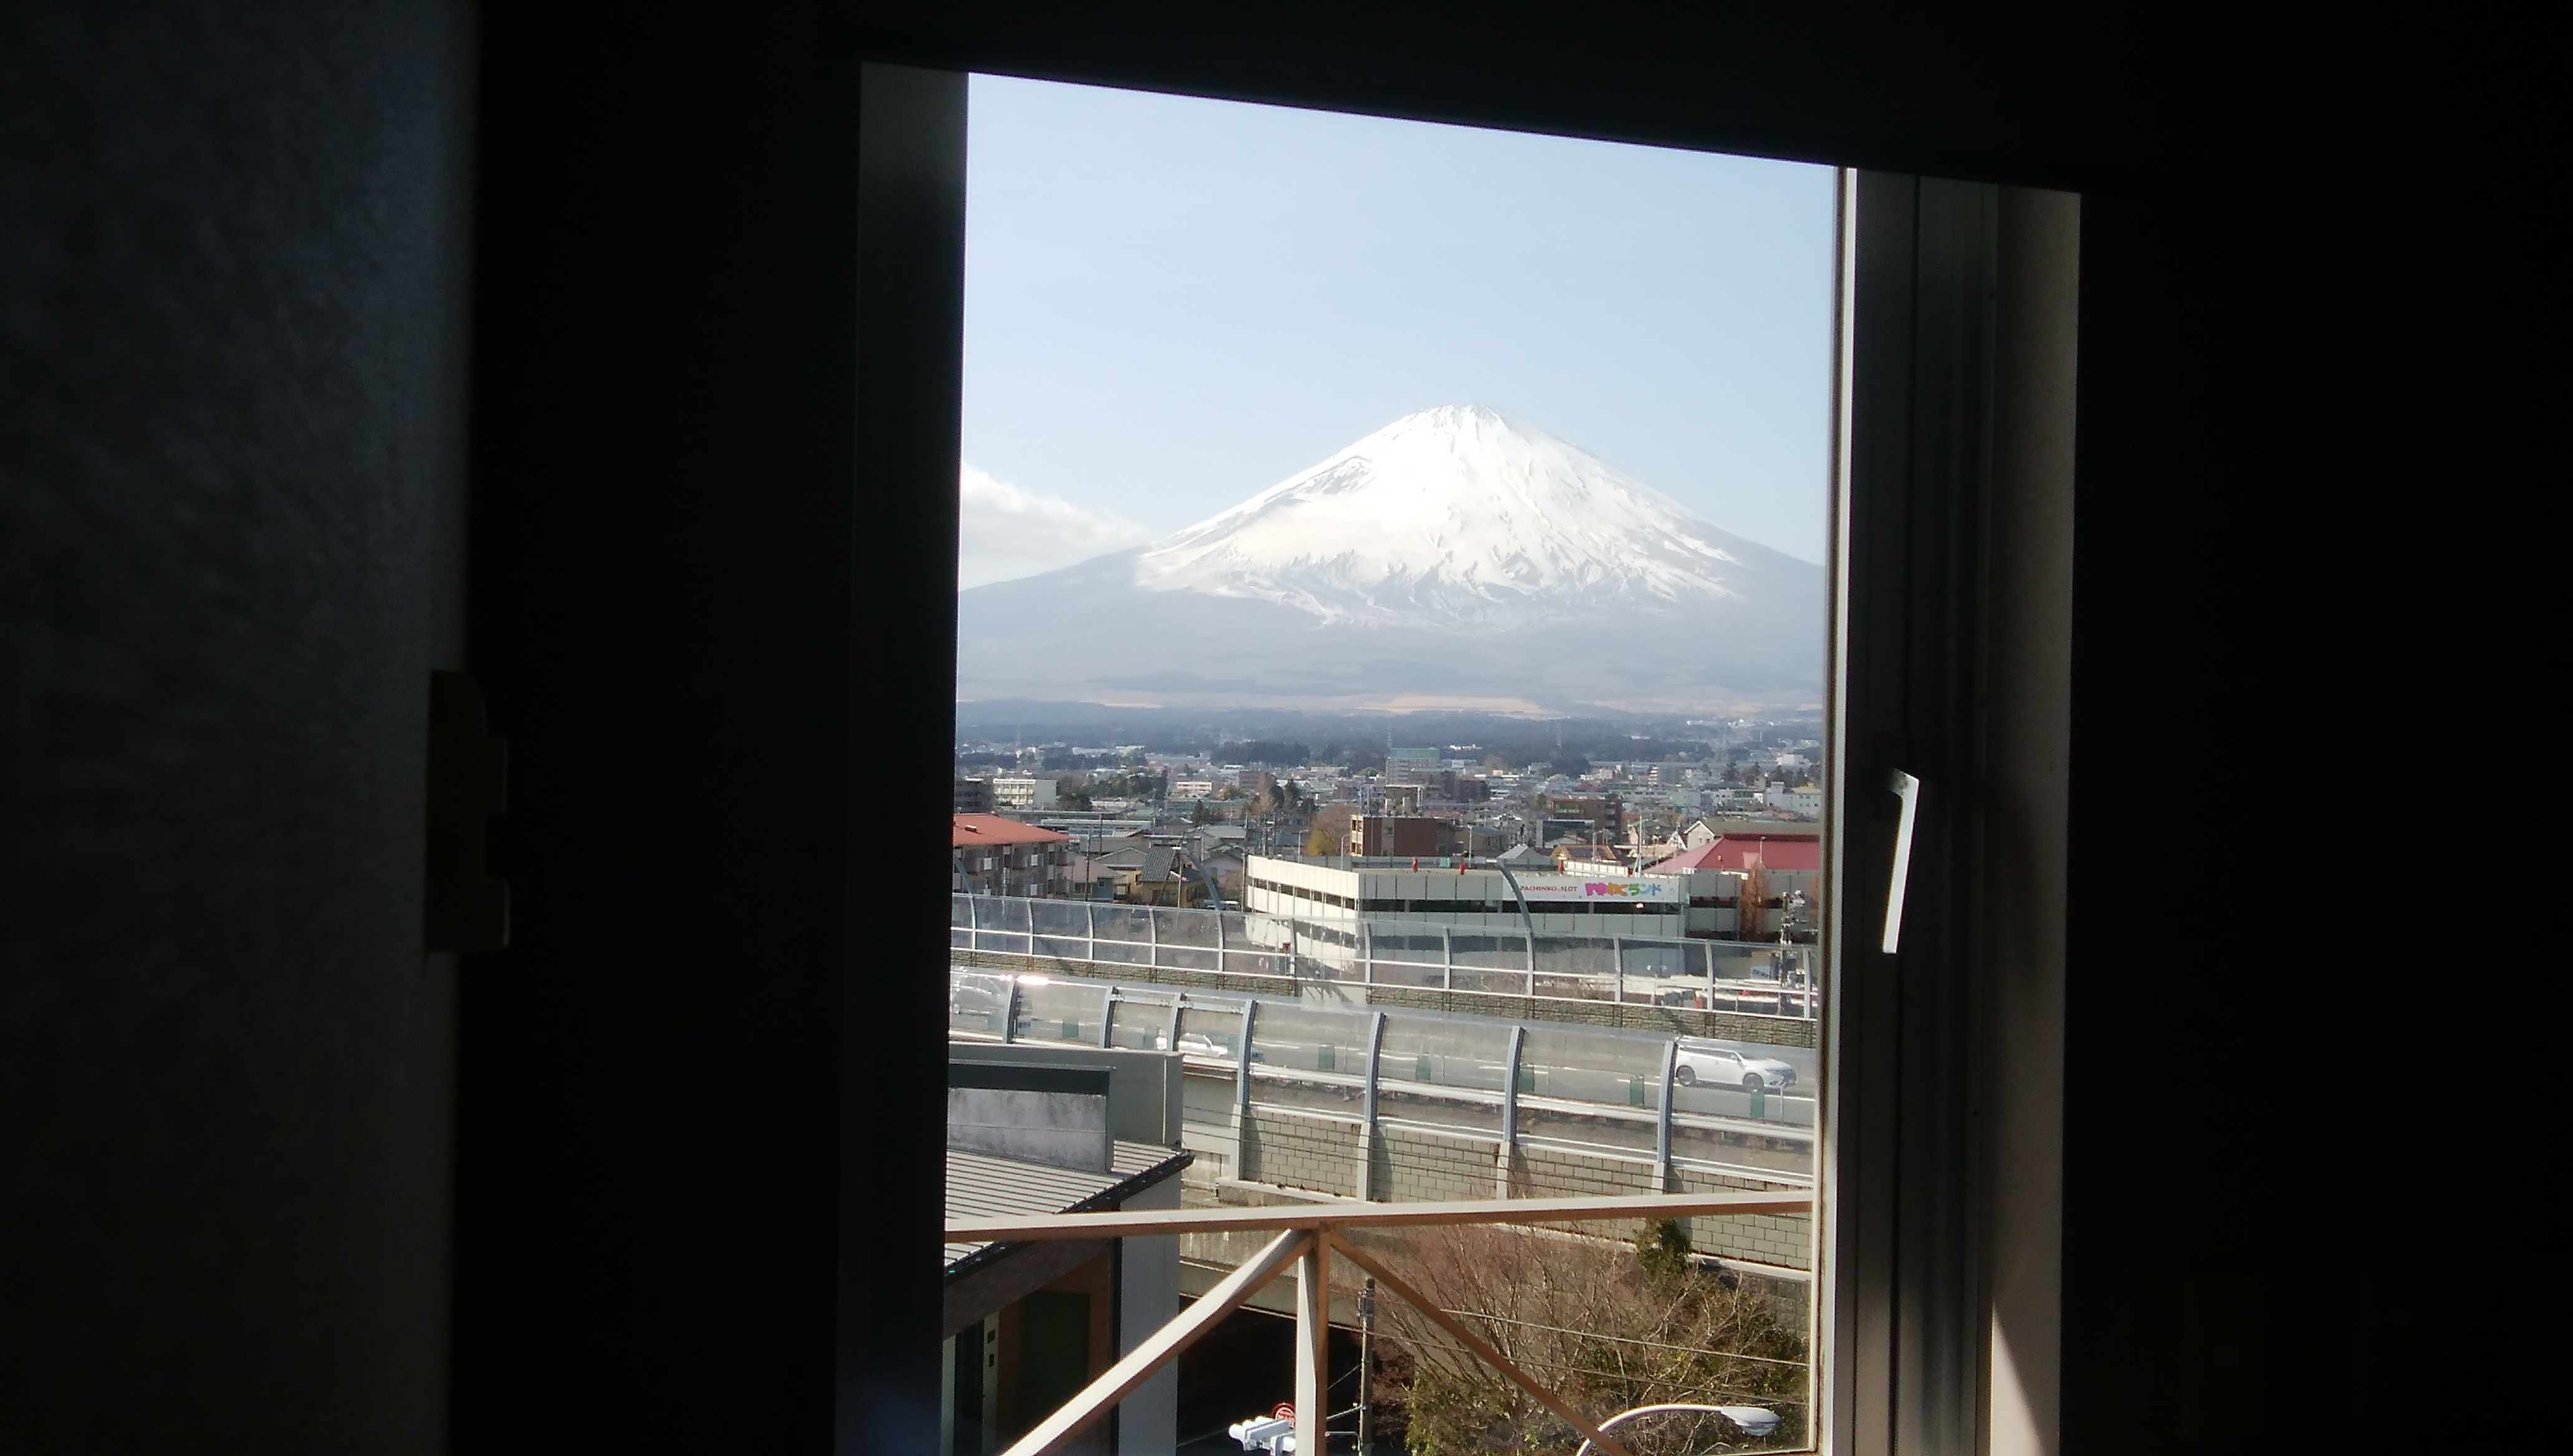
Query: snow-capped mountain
pixel 1454 516
pixel 1454 556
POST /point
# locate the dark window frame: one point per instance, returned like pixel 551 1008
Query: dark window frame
pixel 1901 1341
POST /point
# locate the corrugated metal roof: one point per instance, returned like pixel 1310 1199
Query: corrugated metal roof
pixel 980 1185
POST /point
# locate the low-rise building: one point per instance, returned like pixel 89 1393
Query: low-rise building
pixel 1805 802
pixel 1149 874
pixel 1056 1130
pixel 996 856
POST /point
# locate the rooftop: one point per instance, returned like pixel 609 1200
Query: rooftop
pixel 993 829
pixel 981 1186
pixel 1742 851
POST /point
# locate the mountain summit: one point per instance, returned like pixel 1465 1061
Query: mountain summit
pixel 1458 518
pixel 1455 558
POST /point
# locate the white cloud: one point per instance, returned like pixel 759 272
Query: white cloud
pixel 1006 532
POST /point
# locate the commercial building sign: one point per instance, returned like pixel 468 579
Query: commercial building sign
pixel 1649 889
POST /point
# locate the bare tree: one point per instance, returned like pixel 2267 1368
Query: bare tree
pixel 1751 902
pixel 1606 1326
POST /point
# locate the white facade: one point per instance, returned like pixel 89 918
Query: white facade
pixel 1014 791
pixel 1574 904
pixel 1808 802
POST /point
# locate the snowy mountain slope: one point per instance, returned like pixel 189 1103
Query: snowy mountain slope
pixel 1455 516
pixel 1452 556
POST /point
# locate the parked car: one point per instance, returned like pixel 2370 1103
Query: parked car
pixel 1713 1066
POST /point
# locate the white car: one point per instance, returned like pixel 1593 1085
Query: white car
pixel 1198 1044
pixel 1704 1063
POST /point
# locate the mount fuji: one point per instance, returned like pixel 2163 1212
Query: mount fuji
pixel 1455 558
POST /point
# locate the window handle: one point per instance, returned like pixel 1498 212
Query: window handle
pixel 1908 789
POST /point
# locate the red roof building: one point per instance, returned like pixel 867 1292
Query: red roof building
pixel 1747 852
pixel 997 856
pixel 1741 884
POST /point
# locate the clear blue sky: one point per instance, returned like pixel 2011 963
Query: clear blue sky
pixel 1171 303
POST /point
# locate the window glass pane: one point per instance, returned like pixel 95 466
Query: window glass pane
pixel 1212 1032
pixel 1443 1072
pixel 976 1002
pixel 1392 602
pixel 1291 1038
pixel 1060 1011
pixel 1142 1021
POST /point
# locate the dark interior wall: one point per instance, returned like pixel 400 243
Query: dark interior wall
pixel 229 288
pixel 2298 464
pixel 663 524
pixel 712 596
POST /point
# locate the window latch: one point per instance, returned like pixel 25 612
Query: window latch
pixel 1908 789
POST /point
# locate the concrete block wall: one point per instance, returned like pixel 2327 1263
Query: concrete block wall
pixel 1413 1166
pixel 1319 1153
pixel 1783 1239
pixel 1543 1170
pixel 1293 1151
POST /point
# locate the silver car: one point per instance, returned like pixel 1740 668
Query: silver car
pixel 1704 1063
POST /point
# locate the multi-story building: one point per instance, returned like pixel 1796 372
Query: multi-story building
pixel 1410 765
pixel 1361 833
pixel 1327 901
pixel 1020 793
pixel 1596 818
pixel 974 796
pixel 996 856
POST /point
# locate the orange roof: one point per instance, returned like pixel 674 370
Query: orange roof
pixel 993 829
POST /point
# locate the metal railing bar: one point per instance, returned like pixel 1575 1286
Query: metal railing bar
pixel 1351 1213
pixel 1163 1345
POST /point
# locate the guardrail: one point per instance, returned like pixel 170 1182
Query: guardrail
pixel 1737 1108
pixel 1745 978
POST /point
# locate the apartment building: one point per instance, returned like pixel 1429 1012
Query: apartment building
pixel 997 856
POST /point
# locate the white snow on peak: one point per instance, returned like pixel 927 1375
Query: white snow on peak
pixel 1454 516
